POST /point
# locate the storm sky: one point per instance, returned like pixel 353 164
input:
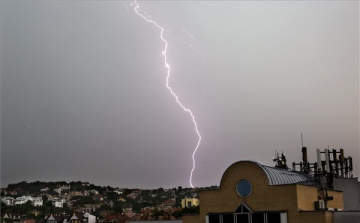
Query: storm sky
pixel 83 93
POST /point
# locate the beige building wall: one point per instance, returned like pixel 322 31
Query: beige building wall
pixel 189 202
pixel 293 199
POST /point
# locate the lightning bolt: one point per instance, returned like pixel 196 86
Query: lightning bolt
pixel 136 9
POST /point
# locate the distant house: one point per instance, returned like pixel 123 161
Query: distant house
pixel 127 207
pixel 83 210
pixel 6 216
pixel 65 187
pixel 53 197
pixel 73 218
pixel 49 197
pixel 38 201
pixel 10 192
pixel 56 218
pixel 98 197
pixel 85 184
pixel 118 191
pixel 104 213
pixel 76 193
pixel 189 202
pixel 58 203
pixel 14 217
pixel 35 212
pixel 109 202
pixel 27 221
pixel 94 191
pixel 93 207
pixel 58 190
pixel 119 218
pixel 46 189
pixel 121 199
pixel 169 203
pixel 9 201
pixel 133 195
pixel 22 200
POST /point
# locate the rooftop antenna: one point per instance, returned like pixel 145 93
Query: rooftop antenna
pixel 302 142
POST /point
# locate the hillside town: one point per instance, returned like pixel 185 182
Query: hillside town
pixel 51 202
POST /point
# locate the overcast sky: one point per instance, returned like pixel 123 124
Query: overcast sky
pixel 83 93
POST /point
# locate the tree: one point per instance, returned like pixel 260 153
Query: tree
pixel 160 189
pixel 44 198
pixel 48 204
pixel 110 188
pixel 118 207
pixel 191 210
pixel 156 213
pixel 28 204
pixel 30 215
pixel 105 207
pixel 112 196
pixel 8 220
pixel 4 208
pixel 177 214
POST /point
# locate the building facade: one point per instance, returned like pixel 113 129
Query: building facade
pixel 189 202
pixel 253 193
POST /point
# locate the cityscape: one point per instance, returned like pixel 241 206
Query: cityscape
pixel 179 111
pixel 25 203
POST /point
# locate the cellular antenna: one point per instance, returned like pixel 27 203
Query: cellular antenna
pixel 302 142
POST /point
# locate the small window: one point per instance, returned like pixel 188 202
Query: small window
pixel 189 204
pixel 258 218
pixel 273 217
pixel 242 218
pixel 242 209
pixel 244 188
pixel 214 218
pixel 228 218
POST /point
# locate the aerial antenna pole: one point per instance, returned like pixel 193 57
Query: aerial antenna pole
pixel 302 142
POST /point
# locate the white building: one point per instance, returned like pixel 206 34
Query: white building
pixel 38 201
pixel 9 201
pixel 65 187
pixel 58 190
pixel 22 200
pixel 119 192
pixel 58 203
pixel 46 189
pixel 94 191
pixel 90 218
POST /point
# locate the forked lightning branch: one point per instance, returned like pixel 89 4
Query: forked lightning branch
pixel 167 66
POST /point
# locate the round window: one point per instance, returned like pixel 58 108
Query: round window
pixel 244 188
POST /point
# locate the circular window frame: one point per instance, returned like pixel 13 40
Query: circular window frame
pixel 251 187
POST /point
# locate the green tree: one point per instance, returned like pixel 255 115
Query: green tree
pixel 118 207
pixel 28 204
pixel 156 213
pixel 191 210
pixel 48 204
pixel 4 208
pixel 30 216
pixel 160 189
pixel 105 207
pixel 8 220
pixel 177 214
pixel 112 196
pixel 44 198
